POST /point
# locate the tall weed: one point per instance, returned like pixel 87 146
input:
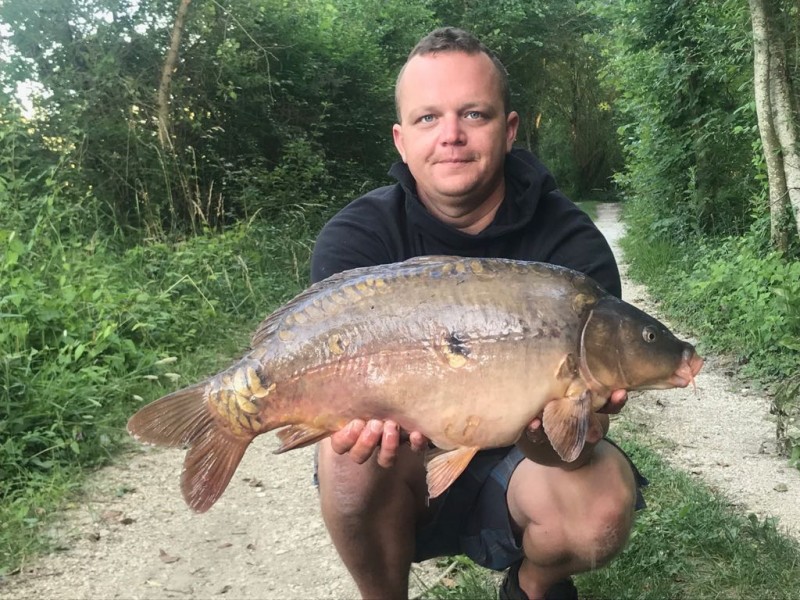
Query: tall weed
pixel 90 332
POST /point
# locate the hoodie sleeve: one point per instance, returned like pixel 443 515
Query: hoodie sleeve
pixel 362 234
pixel 582 247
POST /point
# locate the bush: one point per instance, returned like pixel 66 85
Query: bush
pixel 89 333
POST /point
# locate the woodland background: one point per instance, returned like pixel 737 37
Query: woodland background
pixel 162 182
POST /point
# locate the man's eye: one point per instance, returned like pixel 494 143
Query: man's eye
pixel 426 119
pixel 474 114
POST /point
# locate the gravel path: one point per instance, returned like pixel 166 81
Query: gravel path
pixel 130 536
pixel 723 433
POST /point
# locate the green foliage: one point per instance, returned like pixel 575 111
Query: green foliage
pixel 786 408
pixel 461 578
pixel 752 300
pixel 739 297
pixel 683 74
pixel 255 82
pixel 90 333
pixel 694 177
pixel 89 330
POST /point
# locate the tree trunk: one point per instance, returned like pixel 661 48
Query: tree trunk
pixel 778 194
pixel 775 121
pixel 166 76
pixel 785 126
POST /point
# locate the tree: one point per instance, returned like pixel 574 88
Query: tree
pixel 776 124
pixel 170 64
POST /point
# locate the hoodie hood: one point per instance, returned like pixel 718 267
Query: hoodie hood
pixel 527 182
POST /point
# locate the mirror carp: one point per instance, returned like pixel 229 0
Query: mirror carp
pixel 467 351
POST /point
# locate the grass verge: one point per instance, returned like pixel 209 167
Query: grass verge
pixel 95 332
pixel 688 544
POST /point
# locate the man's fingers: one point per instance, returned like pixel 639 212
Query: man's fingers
pixel 535 424
pixel 615 402
pixel 417 441
pixel 343 440
pixel 619 397
pixel 359 439
pixel 367 441
pixel 390 440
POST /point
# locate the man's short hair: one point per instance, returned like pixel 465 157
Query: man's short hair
pixel 453 39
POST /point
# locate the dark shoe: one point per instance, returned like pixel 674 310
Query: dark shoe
pixel 510 590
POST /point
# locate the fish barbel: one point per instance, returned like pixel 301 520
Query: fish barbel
pixel 467 351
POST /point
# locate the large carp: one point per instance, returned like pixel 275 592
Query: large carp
pixel 466 351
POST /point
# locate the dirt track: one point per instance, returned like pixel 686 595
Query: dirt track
pixel 132 537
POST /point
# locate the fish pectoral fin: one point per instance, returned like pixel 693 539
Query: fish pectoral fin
pixel 299 436
pixel 445 467
pixel 566 422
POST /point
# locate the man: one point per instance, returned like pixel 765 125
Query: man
pixel 462 190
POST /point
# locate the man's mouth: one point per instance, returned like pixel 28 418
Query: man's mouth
pixel 452 161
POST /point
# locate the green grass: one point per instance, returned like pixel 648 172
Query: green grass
pixel 91 333
pixel 688 544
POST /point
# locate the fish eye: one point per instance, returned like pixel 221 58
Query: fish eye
pixel 649 334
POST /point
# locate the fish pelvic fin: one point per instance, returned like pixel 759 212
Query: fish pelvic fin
pixel 184 419
pixel 445 467
pixel 566 422
pixel 299 436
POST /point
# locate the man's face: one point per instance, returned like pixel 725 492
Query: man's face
pixel 454 133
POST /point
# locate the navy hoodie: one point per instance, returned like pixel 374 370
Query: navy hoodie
pixel 535 222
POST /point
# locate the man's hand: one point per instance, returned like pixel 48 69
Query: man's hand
pixel 615 402
pixel 537 447
pixel 360 439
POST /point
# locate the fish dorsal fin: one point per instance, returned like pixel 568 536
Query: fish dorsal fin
pixel 566 422
pixel 299 436
pixel 445 467
pixel 433 259
pixel 269 325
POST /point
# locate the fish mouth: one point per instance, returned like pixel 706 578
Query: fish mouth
pixel 690 366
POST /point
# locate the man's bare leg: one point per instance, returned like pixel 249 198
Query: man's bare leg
pixel 371 513
pixel 571 521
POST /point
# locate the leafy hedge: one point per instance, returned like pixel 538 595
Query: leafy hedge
pixel 739 298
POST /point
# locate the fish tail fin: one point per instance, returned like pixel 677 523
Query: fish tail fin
pixel 209 466
pixel 174 421
pixel 182 419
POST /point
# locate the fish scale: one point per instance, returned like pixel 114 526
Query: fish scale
pixel 467 351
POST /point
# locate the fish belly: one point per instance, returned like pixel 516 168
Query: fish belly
pixel 485 401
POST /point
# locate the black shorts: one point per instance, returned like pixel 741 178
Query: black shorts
pixel 472 517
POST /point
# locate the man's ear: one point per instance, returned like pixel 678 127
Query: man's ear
pixel 512 125
pixel 397 136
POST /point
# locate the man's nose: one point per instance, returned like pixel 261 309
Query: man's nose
pixel 452 130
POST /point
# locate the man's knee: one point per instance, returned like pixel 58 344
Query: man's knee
pixel 609 518
pixel 606 531
pixel 584 515
pixel 351 490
